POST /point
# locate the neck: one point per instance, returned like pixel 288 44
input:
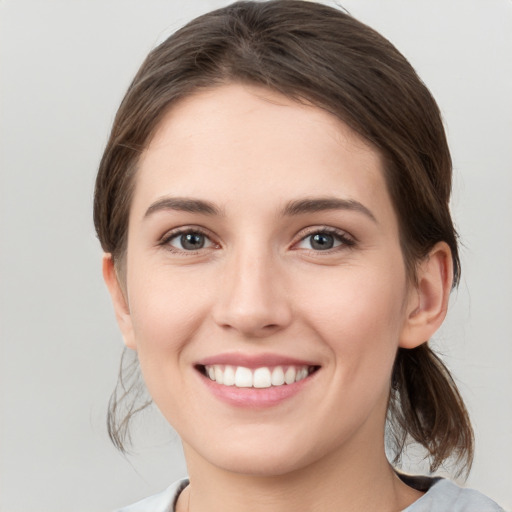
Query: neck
pixel 357 477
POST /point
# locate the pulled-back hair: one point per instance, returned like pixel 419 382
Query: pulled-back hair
pixel 316 54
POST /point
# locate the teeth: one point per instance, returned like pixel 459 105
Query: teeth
pixel 263 377
pixel 228 378
pixel 243 377
pixel 301 374
pixel 289 376
pixel 219 377
pixel 277 376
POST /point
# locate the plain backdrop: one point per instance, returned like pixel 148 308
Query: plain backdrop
pixel 64 66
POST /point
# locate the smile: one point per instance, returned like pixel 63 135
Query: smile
pixel 262 377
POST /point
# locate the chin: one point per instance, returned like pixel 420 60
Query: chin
pixel 269 459
pixel 274 466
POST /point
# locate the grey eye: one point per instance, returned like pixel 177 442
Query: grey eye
pixel 322 241
pixel 190 241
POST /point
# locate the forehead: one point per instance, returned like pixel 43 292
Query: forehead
pixel 249 143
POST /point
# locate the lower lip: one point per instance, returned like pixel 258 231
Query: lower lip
pixel 256 397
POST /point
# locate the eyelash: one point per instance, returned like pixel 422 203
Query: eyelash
pixel 192 230
pixel 345 240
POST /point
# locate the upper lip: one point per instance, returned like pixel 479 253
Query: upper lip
pixel 254 360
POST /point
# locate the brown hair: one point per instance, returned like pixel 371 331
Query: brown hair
pixel 314 53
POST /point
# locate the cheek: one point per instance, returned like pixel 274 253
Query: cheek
pixel 359 315
pixel 166 312
pixel 164 323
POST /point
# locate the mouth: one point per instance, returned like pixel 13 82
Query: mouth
pixel 262 377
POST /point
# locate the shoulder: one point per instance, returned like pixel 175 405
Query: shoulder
pixel 443 495
pixel 161 502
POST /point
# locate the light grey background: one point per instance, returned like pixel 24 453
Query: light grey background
pixel 65 65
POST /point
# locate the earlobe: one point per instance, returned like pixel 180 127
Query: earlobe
pixel 119 300
pixel 428 301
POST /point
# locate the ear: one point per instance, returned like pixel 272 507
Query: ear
pixel 119 300
pixel 428 300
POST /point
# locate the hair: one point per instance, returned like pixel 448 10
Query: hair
pixel 320 55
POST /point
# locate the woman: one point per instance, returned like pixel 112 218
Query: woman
pixel 273 207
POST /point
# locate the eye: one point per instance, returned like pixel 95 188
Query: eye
pixel 325 239
pixel 186 241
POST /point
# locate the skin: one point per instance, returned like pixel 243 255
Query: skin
pixel 259 286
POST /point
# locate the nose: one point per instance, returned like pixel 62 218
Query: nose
pixel 252 299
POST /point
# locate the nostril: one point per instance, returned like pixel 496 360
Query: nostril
pixel 256 311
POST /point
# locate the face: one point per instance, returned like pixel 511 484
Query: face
pixel 266 291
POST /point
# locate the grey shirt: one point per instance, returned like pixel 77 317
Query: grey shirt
pixel 440 496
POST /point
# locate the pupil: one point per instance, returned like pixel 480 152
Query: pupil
pixel 322 241
pixel 192 241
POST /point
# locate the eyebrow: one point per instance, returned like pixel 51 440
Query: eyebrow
pixel 297 207
pixel 311 205
pixel 183 204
